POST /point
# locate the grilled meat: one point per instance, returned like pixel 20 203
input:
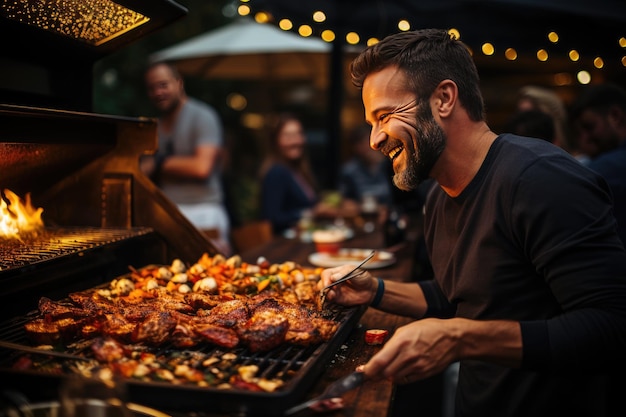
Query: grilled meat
pixel 220 336
pixel 147 307
pixel 264 331
pixel 155 329
pixel 229 313
pixel 43 332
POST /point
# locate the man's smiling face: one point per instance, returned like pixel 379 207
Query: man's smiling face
pixel 403 129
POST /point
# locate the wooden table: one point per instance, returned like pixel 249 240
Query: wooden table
pixel 372 398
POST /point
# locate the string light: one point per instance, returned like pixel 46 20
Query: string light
pixel 328 35
pixel 542 55
pixel 352 38
pixel 305 31
pixel 285 24
pixel 553 37
pixel 487 48
pixel 243 10
pixel 598 62
pixel 404 25
pixel 319 16
pixel 583 77
pixel 574 55
pixel 510 54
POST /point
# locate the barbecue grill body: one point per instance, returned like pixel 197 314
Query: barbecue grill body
pixel 81 168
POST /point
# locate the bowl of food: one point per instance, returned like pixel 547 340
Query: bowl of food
pixel 328 241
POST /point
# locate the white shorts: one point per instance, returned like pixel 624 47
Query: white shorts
pixel 208 216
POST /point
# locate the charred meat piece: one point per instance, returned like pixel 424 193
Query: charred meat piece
pixel 155 330
pixel 70 328
pixel 305 326
pixel 117 327
pixel 184 335
pixel 206 301
pixel 42 332
pixel 54 310
pixel 229 313
pixel 264 331
pixel 220 336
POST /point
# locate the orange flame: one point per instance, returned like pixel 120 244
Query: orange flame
pixel 18 216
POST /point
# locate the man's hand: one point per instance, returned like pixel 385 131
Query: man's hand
pixel 356 291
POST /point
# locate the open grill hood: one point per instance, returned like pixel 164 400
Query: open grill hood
pixel 60 40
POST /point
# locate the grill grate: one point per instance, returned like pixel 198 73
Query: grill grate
pixel 280 363
pixel 53 243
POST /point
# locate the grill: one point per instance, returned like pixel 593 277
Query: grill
pixel 297 367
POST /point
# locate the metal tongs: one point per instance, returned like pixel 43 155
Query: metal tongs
pixel 353 273
pixel 333 391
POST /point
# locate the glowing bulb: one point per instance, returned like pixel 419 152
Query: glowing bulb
pixel 553 37
pixel 404 25
pixel 542 55
pixel 598 62
pixel 583 77
pixel 328 35
pixel 285 24
pixel 319 16
pixel 488 49
pixel 622 42
pixel 236 101
pixel 305 30
pixel 243 10
pixel 454 33
pixel 510 54
pixel 574 55
pixel 624 61
pixel 352 38
pixel 262 17
pixel 374 41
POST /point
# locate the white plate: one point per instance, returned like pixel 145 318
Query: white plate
pixel 348 256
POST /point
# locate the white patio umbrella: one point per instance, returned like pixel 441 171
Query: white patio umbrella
pixel 246 49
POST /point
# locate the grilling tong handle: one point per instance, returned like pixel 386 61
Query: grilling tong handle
pixel 37 351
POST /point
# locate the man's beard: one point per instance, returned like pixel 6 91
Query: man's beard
pixel 429 144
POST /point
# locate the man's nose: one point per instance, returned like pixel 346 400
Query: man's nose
pixel 377 138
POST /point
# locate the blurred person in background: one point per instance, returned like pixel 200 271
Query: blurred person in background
pixel 364 178
pixel 599 118
pixel 532 97
pixel 529 288
pixel 532 124
pixel 289 189
pixel 186 166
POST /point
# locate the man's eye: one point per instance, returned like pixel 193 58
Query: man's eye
pixel 383 116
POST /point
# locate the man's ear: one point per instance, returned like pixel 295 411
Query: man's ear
pixel 445 98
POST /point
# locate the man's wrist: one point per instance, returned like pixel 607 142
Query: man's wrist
pixel 380 292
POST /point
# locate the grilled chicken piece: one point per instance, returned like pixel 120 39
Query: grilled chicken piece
pixel 206 301
pixel 229 313
pixel 307 292
pixel 305 326
pixel 220 336
pixel 54 310
pixel 42 332
pixel 155 330
pixel 264 331
pixel 117 327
